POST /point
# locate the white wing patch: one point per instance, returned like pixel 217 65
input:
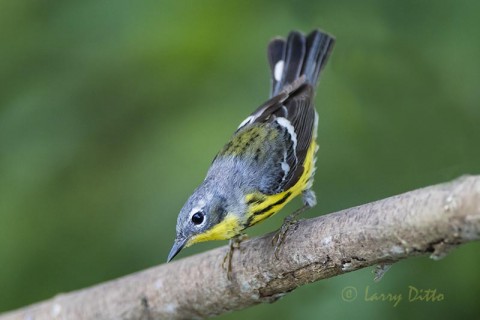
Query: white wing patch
pixel 285 167
pixel 293 136
pixel 246 121
pixel 315 126
pixel 278 70
pixel 291 130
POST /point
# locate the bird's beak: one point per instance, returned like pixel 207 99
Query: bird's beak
pixel 177 246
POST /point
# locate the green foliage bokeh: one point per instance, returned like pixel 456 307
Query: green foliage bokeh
pixel 111 111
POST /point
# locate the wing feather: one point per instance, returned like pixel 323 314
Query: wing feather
pixel 293 115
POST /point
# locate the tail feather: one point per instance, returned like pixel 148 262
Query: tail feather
pixel 297 56
pixel 294 57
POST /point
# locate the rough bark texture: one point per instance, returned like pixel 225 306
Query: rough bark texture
pixel 428 221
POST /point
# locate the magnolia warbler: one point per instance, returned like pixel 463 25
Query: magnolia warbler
pixel 270 158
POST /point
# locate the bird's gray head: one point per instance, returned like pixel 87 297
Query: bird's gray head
pixel 207 215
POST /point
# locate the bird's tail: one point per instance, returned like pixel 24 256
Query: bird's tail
pixel 297 56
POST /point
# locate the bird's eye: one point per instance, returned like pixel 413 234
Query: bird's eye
pixel 198 217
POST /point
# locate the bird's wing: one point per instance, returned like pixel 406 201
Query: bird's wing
pixel 292 114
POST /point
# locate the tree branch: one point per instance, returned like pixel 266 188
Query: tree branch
pixel 428 221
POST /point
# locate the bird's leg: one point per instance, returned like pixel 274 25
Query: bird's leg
pixel 309 201
pixel 233 243
pixel 290 220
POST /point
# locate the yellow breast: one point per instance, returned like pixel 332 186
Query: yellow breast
pixel 263 206
pixel 260 206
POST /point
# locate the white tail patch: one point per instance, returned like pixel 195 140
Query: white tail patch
pixel 278 70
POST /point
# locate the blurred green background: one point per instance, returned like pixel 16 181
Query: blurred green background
pixel 111 111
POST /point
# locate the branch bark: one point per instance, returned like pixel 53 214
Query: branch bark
pixel 428 221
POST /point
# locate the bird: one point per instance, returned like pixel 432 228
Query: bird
pixel 270 159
